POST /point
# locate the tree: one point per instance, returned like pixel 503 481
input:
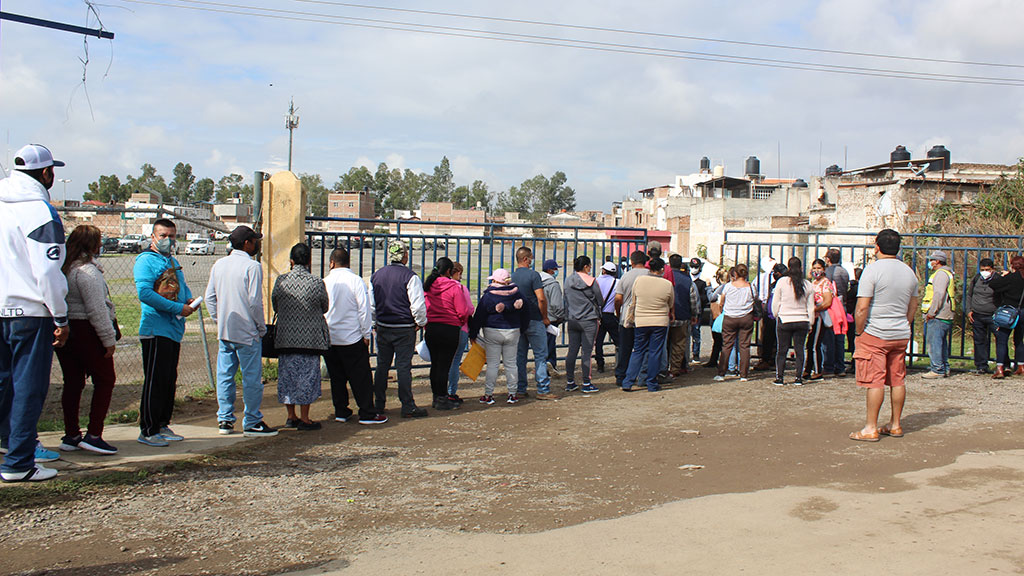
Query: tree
pixel 203 189
pixel 233 186
pixel 108 189
pixel 468 196
pixel 357 178
pixel 408 192
pixel 539 197
pixel 997 210
pixel 180 188
pixel 516 200
pixel 316 194
pixel 149 181
pixel 441 185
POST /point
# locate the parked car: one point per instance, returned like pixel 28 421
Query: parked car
pixel 200 246
pixel 109 245
pixel 133 243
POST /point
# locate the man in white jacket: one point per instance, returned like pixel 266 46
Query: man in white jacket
pixel 33 312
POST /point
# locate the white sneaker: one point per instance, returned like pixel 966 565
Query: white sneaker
pixel 553 372
pixel 719 378
pixel 36 474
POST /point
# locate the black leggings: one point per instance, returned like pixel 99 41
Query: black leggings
pixel 443 343
pixel 790 334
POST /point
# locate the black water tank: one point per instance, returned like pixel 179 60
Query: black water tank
pixel 833 170
pixel 753 166
pixel 799 183
pixel 900 154
pixel 705 164
pixel 942 158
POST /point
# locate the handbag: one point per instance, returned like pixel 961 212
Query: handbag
pixel 423 350
pixel 117 330
pixel 758 306
pixel 269 348
pixel 717 325
pixel 474 362
pixel 1006 317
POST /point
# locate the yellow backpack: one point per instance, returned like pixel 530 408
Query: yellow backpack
pixel 929 292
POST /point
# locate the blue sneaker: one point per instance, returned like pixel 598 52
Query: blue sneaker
pixel 44 455
pixel 155 440
pixel 169 435
pixel 571 387
pixel 589 388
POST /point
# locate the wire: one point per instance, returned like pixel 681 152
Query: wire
pixel 660 35
pixel 293 15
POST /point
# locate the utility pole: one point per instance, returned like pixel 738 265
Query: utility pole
pixel 65 181
pixel 291 122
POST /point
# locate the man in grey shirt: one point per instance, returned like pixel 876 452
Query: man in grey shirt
pixel 623 297
pixel 938 316
pixel 886 304
pixel 234 298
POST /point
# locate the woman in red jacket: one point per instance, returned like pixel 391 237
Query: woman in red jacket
pixel 447 312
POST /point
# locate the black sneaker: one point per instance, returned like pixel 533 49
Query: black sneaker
pixel 454 398
pixel 70 444
pixel 291 424
pixel 225 428
pixel 342 418
pixel 97 445
pixel 512 399
pixel 443 403
pixel 779 382
pixel 415 413
pixel 378 419
pixel 301 425
pixel 260 429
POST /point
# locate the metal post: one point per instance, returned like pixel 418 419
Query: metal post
pixel 257 199
pixel 206 349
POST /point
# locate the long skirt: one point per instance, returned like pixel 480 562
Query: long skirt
pixel 298 378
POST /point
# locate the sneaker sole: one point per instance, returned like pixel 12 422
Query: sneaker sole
pixel 68 448
pixel 97 449
pixel 225 432
pixel 153 444
pixel 44 460
pixel 253 434
pixel 372 422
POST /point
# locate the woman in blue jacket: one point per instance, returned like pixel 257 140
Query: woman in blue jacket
pixel 500 315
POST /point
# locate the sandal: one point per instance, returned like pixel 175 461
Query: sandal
pixel 861 437
pixel 890 431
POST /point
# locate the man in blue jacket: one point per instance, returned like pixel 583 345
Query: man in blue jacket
pixel 33 312
pixel 161 329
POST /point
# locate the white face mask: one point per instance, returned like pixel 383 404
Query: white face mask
pixel 986 274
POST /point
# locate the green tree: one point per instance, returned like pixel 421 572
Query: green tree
pixel 316 194
pixel 203 190
pixel 516 199
pixel 468 196
pixel 441 185
pixel 149 181
pixel 108 189
pixel 408 192
pixel 996 210
pixel 232 186
pixel 357 178
pixel 180 189
pixel 539 196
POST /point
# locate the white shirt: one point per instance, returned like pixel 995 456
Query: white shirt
pixel 348 314
pixel 234 298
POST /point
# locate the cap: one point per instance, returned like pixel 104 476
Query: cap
pixel 240 234
pixel 938 255
pixel 550 264
pixel 396 249
pixel 609 266
pixel 34 157
pixel 500 275
pixel 695 263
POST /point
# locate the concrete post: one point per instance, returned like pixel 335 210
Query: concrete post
pixel 284 225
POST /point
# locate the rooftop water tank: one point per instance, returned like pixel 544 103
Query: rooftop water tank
pixel 900 154
pixel 705 164
pixel 719 171
pixel 942 158
pixel 833 170
pixel 799 183
pixel 752 166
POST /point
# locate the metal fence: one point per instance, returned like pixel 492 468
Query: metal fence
pixel 964 251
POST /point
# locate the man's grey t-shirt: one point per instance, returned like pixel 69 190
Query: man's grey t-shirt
pixel 890 284
pixel 625 287
pixel 528 280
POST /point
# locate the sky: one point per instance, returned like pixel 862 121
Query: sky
pixel 212 89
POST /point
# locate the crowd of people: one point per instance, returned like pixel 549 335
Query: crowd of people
pixel 55 297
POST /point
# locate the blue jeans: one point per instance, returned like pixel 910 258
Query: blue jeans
pixel 26 355
pixel 535 337
pixel 734 358
pixel 649 339
pixel 839 354
pixel 232 357
pixel 552 349
pixel 1003 344
pixel 453 374
pixel 937 332
pixel 695 341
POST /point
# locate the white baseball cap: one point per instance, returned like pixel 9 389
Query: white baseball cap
pixel 34 157
pixel 609 267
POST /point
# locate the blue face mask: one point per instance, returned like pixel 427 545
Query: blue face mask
pixel 165 246
pixel 930 265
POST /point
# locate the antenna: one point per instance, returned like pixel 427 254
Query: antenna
pixel 291 122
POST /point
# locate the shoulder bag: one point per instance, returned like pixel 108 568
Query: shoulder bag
pixel 757 305
pixel 1006 317
pixel 268 345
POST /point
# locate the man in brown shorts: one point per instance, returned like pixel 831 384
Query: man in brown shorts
pixel 886 303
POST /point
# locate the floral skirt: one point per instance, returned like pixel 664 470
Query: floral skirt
pixel 298 378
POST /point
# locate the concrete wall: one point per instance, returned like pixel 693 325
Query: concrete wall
pixel 284 225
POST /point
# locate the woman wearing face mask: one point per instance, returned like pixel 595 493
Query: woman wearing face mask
pixel 447 313
pixel 821 326
pixel 1009 288
pixel 90 348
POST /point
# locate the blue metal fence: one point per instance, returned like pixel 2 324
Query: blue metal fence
pixel 964 252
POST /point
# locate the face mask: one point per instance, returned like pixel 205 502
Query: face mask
pixel 930 266
pixel 165 246
pixel 986 274
pixel 816 274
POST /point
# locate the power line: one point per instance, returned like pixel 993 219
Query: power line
pixel 293 15
pixel 660 35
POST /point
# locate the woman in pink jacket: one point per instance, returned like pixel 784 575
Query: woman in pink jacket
pixel 447 312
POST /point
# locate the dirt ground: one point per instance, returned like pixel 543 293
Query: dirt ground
pixel 301 501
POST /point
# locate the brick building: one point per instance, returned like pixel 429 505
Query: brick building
pixel 351 204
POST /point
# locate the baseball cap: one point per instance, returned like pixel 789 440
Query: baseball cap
pixel 34 157
pixel 500 275
pixel 240 234
pixel 695 263
pixel 396 249
pixel 550 264
pixel 938 255
pixel 609 266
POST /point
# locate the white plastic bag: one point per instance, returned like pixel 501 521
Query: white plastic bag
pixel 423 351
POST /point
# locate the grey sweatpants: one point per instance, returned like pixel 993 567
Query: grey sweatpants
pixel 501 344
pixel 582 336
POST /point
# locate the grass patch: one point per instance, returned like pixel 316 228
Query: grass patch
pixel 50 425
pixel 46 493
pixel 123 417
